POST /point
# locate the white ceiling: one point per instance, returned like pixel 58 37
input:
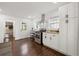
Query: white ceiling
pixel 25 9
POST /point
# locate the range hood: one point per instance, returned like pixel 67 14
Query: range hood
pixel 42 18
pixel 42 22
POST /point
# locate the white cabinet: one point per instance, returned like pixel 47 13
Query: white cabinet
pixel 69 36
pixel 63 36
pixel 46 40
pixel 73 9
pixel 63 11
pixel 69 29
pixel 73 30
pixel 67 41
pixel 51 40
pixel 54 41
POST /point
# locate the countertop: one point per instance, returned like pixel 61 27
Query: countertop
pixel 52 31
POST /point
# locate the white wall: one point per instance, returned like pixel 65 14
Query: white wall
pixel 17 29
pixel 18 34
pixel 1 28
pixel 3 19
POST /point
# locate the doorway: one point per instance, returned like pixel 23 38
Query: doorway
pixel 8 31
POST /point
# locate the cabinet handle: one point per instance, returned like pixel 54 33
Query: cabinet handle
pixel 66 16
pixel 45 36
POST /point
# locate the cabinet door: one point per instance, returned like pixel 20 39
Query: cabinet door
pixel 46 40
pixel 63 11
pixel 49 39
pixel 63 35
pixel 72 35
pixel 54 41
pixel 73 9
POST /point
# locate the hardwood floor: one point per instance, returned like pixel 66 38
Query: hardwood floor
pixel 26 47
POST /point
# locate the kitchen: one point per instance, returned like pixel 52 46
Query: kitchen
pixel 61 29
pixel 56 28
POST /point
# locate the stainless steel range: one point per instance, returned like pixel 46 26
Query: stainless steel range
pixel 38 36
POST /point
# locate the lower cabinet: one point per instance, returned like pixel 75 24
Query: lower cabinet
pixel 46 40
pixel 51 40
pixel 54 41
pixel 67 47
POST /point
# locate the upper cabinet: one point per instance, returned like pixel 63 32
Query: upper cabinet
pixel 73 10
pixel 63 11
pixel 69 10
